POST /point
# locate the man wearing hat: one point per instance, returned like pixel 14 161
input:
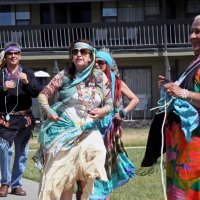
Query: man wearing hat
pixel 18 86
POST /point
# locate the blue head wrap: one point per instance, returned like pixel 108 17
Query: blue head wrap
pixel 106 56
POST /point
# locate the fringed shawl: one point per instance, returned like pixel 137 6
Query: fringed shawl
pixel 153 150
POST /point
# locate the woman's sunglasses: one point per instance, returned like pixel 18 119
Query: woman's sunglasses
pixel 82 51
pixel 100 62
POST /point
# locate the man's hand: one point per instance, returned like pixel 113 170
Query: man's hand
pixel 9 85
pixel 23 77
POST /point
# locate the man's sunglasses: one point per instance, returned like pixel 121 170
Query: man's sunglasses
pixel 82 51
pixel 11 53
pixel 100 62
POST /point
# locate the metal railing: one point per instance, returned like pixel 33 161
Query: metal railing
pixel 112 35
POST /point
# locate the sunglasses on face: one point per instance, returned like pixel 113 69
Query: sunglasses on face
pixel 82 51
pixel 13 53
pixel 100 62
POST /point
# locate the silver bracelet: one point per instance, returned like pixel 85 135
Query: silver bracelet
pixel 191 97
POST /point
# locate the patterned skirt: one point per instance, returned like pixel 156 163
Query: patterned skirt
pixel 119 167
pixel 182 162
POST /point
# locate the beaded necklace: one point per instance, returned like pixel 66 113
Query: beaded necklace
pixel 9 76
pixel 86 98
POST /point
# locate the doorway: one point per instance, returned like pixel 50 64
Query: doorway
pixel 80 12
pixel 139 81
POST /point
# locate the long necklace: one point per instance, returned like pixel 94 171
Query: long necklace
pixel 8 114
pixel 85 98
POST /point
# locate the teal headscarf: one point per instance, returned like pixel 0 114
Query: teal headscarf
pixel 69 85
pixel 82 76
pixel 106 56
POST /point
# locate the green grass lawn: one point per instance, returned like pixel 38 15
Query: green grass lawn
pixel 138 188
pixel 147 187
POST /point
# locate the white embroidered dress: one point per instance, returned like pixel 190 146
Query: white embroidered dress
pixel 86 159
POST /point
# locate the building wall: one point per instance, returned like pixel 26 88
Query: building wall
pixel 156 64
pixel 124 60
pixel 35 14
pixel 37 65
pixel 184 62
pixel 96 12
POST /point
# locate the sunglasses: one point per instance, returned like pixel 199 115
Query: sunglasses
pixel 13 53
pixel 100 62
pixel 82 51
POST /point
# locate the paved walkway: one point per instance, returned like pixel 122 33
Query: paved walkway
pixel 31 188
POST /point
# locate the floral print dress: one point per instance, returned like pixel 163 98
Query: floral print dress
pixel 182 157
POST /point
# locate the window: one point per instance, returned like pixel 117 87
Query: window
pixel 7 17
pixel 45 13
pixel 130 11
pixel 152 7
pixel 60 10
pixel 23 14
pixel 12 15
pixel 193 7
pixel 109 11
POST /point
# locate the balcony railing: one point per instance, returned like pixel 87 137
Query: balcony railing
pixel 112 35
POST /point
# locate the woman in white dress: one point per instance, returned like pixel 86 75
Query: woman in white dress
pixel 72 147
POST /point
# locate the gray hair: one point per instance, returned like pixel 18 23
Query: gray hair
pixel 197 17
